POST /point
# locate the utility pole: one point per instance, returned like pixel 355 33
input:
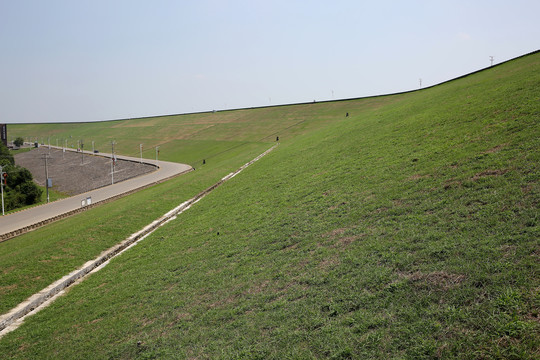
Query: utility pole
pixel 93 147
pixel 140 150
pixel 2 187
pixel 82 153
pixel 157 152
pixel 491 59
pixel 46 157
pixel 112 162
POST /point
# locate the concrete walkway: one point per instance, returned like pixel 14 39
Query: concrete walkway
pixel 31 218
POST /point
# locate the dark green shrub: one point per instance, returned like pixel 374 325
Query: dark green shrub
pixel 19 187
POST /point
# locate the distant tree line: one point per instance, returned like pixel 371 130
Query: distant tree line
pixel 19 188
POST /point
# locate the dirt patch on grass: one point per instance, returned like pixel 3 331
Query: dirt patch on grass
pixel 347 240
pixel 417 177
pixel 495 149
pixel 437 279
pixel 339 239
pixel 329 262
pixel 486 173
pixel 451 183
pixel 290 247
pixel 182 317
pixel 336 232
pixel 258 288
pixel 399 203
pixel 8 288
pixel 8 270
pixel 333 207
pixel 508 250
pixel 224 301
pixel 527 189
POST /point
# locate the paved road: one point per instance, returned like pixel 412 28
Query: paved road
pixel 44 212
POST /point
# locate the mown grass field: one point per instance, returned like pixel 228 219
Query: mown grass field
pixel 407 230
pixel 189 138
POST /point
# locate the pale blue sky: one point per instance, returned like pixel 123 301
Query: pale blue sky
pixel 86 60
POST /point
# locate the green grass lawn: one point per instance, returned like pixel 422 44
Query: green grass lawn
pixel 407 230
pixel 20 150
pixel 32 261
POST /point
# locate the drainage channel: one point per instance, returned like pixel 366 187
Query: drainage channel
pixel 14 318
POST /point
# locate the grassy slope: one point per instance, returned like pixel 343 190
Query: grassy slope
pixel 188 138
pixel 406 230
pixel 34 260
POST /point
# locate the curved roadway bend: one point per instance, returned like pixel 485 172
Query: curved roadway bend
pixel 31 216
